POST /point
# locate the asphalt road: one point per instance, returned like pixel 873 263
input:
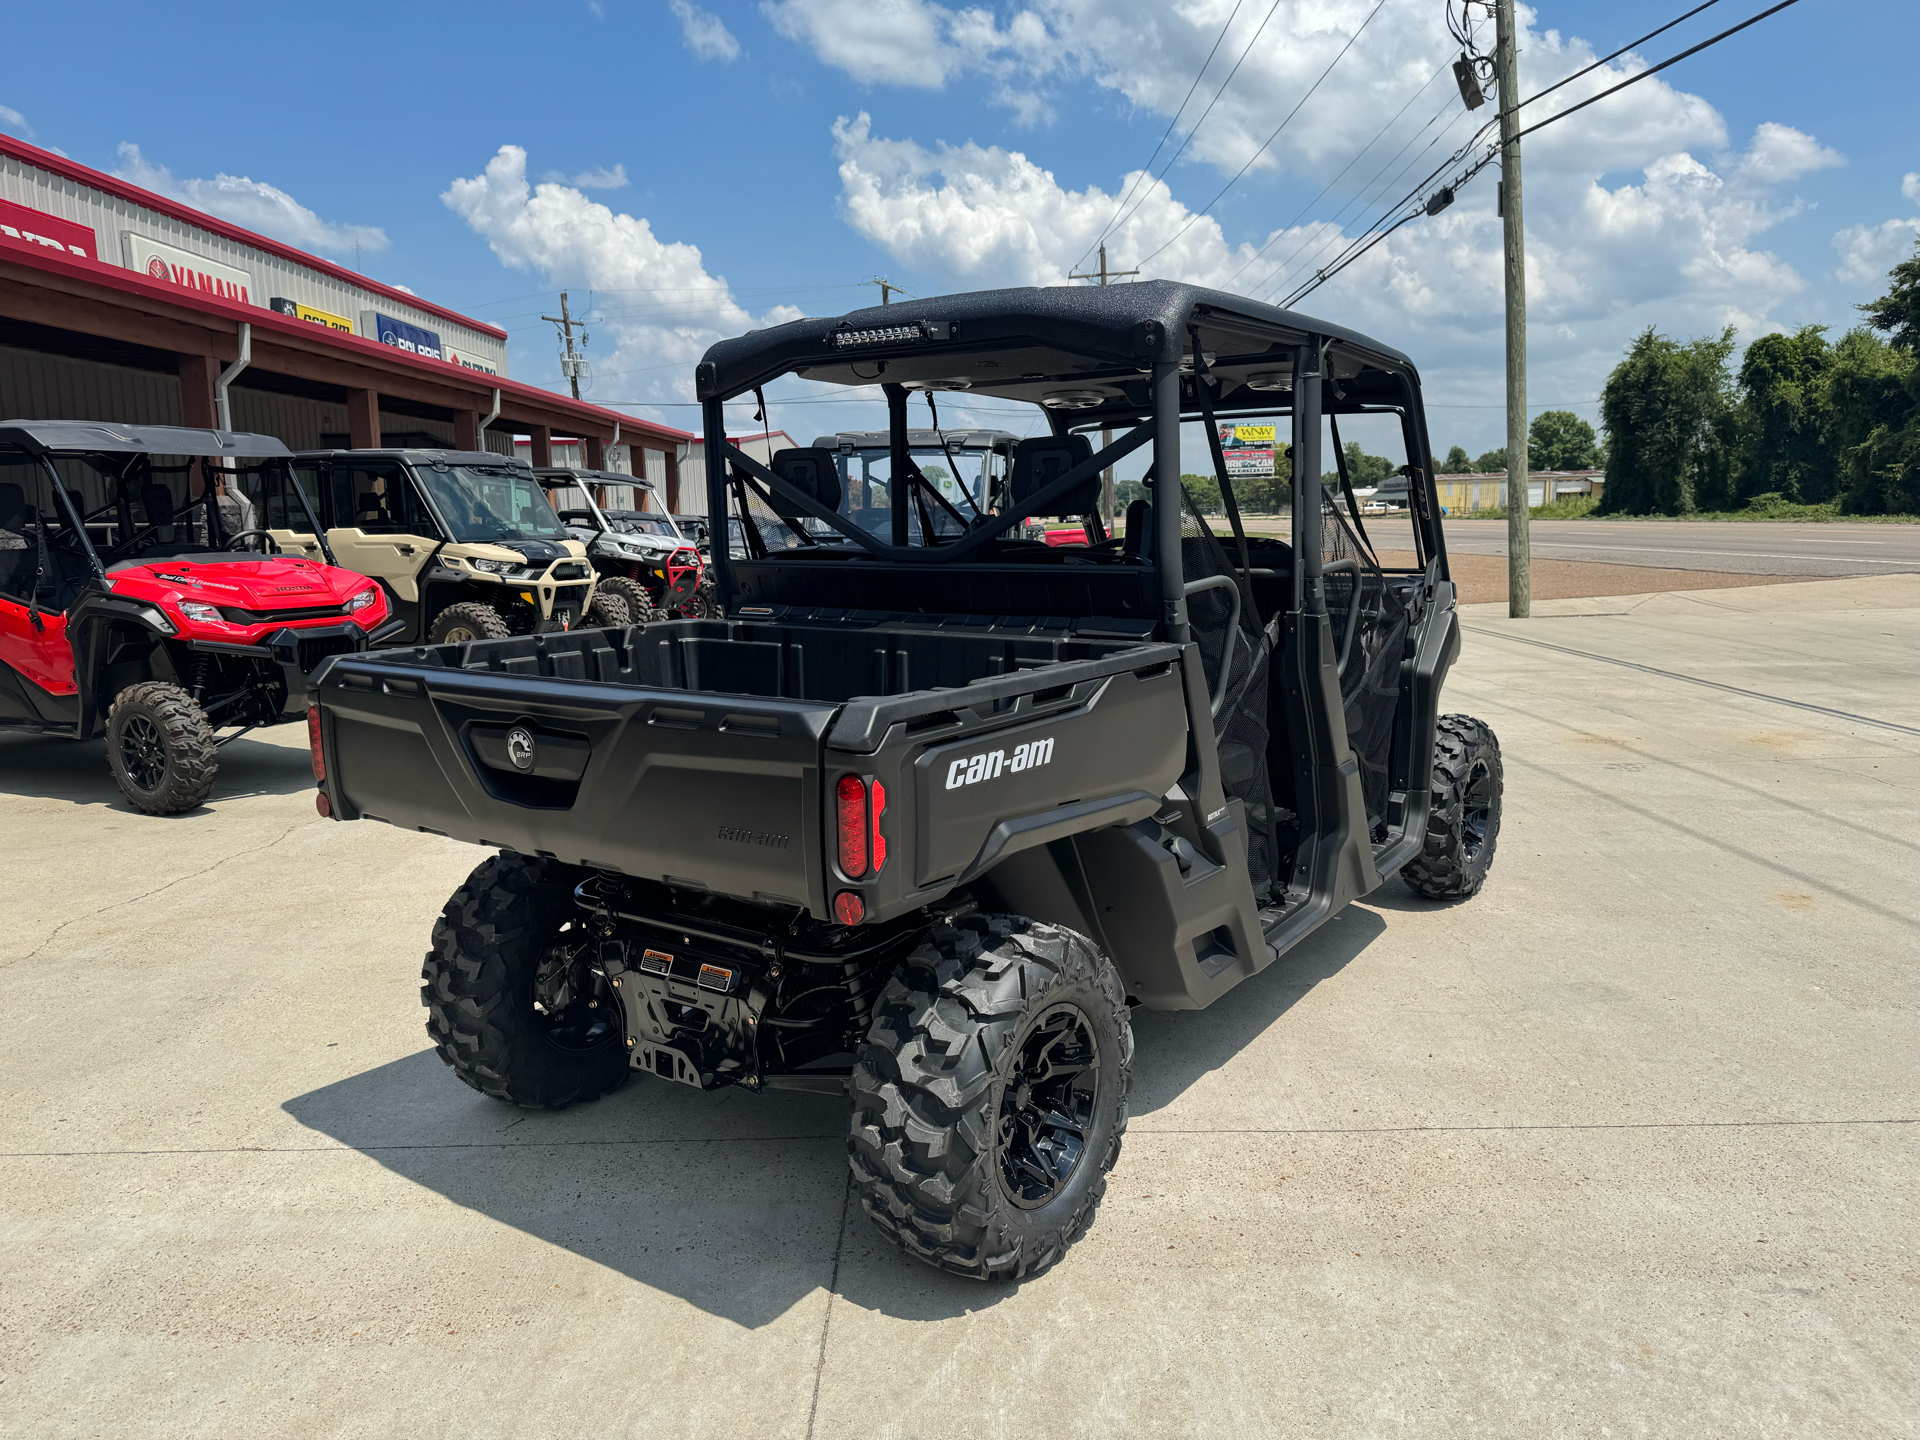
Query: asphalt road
pixel 1625 1145
pixel 1816 549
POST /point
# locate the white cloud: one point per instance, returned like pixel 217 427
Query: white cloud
pixel 704 33
pixel 658 307
pixel 252 203
pixel 1780 152
pixel 11 119
pixel 601 177
pixel 1673 247
pixel 1869 252
pixel 922 45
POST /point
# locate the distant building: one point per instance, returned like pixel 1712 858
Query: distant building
pixel 693 462
pixel 1465 494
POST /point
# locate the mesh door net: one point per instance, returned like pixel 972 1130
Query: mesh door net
pixel 1370 635
pixel 1240 730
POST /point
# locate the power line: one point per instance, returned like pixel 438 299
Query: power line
pixel 1336 180
pixel 1189 138
pixel 1357 248
pixel 1172 122
pixel 1271 138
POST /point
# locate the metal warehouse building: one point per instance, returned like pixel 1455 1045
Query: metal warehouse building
pixel 117 304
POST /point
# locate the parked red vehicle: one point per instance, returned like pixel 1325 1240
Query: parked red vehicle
pixel 141 598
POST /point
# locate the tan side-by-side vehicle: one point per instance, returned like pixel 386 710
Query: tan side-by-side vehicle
pixel 464 542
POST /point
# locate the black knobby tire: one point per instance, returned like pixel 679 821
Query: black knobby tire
pixel 706 603
pixel 470 620
pixel 496 947
pixel 942 1070
pixel 160 748
pixel 608 609
pixel 641 609
pixel 1464 819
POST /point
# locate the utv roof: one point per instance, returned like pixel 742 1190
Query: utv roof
pixel 96 436
pixel 928 439
pixel 1022 344
pixel 420 457
pixel 603 477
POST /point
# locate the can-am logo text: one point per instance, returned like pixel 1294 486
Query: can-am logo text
pixel 967 770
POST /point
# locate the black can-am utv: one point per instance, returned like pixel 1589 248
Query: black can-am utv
pixel 947 800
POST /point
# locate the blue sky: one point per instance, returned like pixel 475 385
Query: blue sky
pixel 759 161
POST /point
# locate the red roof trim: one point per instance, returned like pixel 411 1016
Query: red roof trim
pixel 72 170
pixel 134 283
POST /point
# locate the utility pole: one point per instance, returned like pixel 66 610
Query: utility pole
pixel 571 365
pixel 1103 275
pixel 887 288
pixel 1514 271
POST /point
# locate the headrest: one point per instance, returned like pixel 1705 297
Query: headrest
pixel 1044 459
pixel 157 501
pixel 13 500
pixel 810 470
pixel 367 501
pixel 1140 528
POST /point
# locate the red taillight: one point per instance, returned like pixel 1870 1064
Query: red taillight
pixel 850 804
pixel 313 743
pixel 858 807
pixel 849 909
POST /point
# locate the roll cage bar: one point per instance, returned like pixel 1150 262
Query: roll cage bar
pixel 1143 356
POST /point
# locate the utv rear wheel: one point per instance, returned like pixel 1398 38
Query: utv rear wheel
pixel 160 748
pixel 467 621
pixel 608 610
pixel 640 605
pixel 1464 818
pixel 514 1003
pixel 991 1095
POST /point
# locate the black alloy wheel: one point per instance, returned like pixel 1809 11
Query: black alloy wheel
pixel 574 1005
pixel 1477 810
pixel 143 752
pixel 1047 1107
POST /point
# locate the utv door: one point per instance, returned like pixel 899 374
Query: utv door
pixel 378 525
pixel 36 654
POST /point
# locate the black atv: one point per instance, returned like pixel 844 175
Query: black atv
pixel 640 555
pixel 948 801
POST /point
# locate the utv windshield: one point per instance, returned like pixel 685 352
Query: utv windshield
pixel 483 503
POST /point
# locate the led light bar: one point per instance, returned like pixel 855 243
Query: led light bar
pixel 892 334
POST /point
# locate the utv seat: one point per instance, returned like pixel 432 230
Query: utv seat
pixel 1041 460
pixel 811 470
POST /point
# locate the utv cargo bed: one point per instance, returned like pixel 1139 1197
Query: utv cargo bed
pixel 692 752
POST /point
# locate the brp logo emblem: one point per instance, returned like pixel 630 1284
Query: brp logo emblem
pixel 520 748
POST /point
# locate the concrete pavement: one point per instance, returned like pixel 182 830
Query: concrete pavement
pixel 1626 1144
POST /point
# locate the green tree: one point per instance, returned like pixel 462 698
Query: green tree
pixel 1362 468
pixel 1560 440
pixel 1784 418
pixel 1669 411
pixel 1457 462
pixel 1492 462
pixel 1205 492
pixel 1897 314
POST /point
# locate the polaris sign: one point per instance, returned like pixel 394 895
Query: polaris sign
pixel 401 335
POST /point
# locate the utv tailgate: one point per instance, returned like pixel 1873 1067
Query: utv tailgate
pixel 575 749
pixel 684 787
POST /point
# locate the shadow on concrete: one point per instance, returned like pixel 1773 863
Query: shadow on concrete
pixel 737 1203
pixel 54 768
